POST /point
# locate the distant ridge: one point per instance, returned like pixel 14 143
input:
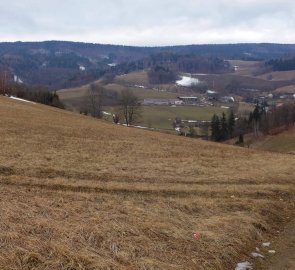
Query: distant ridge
pixel 62 64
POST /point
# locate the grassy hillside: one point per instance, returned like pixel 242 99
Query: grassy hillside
pixel 284 142
pixel 74 98
pixel 143 93
pixel 245 68
pixel 279 75
pixel 233 82
pixel 138 77
pixel 287 89
pixel 162 117
pixel 80 193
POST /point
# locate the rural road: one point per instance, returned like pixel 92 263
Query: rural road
pixel 284 258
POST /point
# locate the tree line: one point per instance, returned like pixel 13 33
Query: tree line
pixel 35 94
pixel 272 119
pixel 282 64
pixel 127 103
pixel 222 128
pixel 264 119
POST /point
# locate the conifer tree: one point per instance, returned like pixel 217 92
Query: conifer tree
pixel 223 127
pixel 215 128
pixel 231 123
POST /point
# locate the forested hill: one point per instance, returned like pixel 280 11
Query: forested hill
pixel 59 64
pixel 98 51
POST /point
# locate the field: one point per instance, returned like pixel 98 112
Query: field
pixel 245 108
pixel 287 89
pixel 75 98
pixel 284 142
pixel 80 193
pixel 162 117
pixel 152 116
pixel 134 78
pixel 245 68
pixel 235 81
pixel 143 93
pixel 279 76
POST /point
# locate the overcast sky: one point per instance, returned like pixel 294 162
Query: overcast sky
pixel 149 22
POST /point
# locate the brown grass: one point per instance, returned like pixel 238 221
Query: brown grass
pixel 279 75
pixel 287 89
pixel 79 193
pixel 245 68
pixel 134 78
pixel 283 142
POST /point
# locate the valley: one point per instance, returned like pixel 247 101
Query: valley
pixel 82 193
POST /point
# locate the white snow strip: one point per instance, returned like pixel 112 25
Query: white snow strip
pixel 244 266
pixel 137 126
pixel 211 92
pixel 257 255
pixel 224 107
pixel 272 251
pixel 267 244
pixel 139 86
pixel 20 99
pixel 187 81
pixel 17 79
pixel 142 127
pixel 106 113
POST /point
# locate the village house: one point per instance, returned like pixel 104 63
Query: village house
pixel 189 100
pixel 227 99
pixel 161 102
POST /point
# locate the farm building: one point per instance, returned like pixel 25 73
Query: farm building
pixel 189 100
pixel 227 99
pixel 163 102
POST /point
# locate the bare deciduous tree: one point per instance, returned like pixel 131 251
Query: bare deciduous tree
pixel 130 107
pixel 3 82
pixel 95 99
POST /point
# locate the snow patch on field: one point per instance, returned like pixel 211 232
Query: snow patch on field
pixel 20 99
pixel 244 266
pixel 17 79
pixel 139 86
pixel 256 255
pixel 187 81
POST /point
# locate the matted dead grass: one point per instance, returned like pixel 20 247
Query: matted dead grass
pixel 287 89
pixel 279 75
pixel 283 142
pixel 135 78
pixel 79 193
pixel 245 68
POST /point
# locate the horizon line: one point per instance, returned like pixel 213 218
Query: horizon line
pixel 148 46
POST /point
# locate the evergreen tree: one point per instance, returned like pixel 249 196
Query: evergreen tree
pixel 231 123
pixel 241 139
pixel 215 128
pixel 256 115
pixel 223 127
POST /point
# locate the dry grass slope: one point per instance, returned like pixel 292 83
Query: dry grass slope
pixel 79 193
pixel 283 142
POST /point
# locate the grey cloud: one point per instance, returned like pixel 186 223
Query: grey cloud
pixel 143 22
